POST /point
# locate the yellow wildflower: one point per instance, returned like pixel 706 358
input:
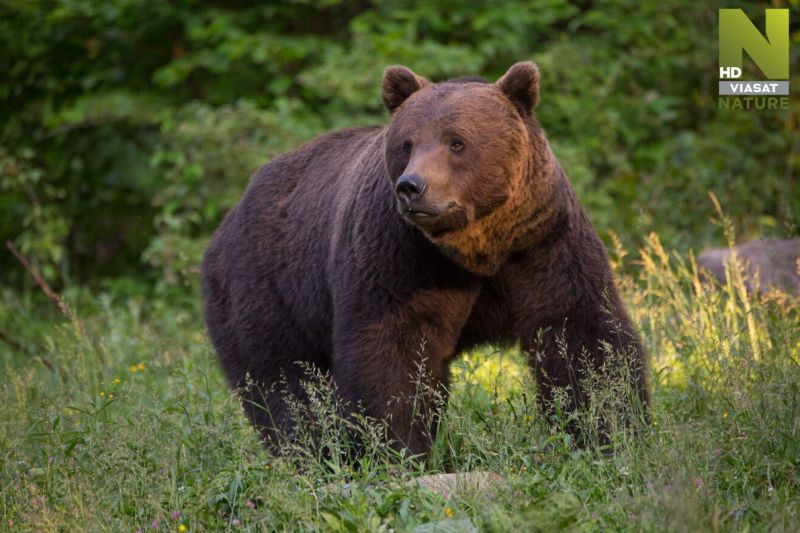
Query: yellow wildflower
pixel 448 512
pixel 102 394
pixel 133 369
pixel 110 396
pixel 181 528
pixel 140 366
pixel 117 381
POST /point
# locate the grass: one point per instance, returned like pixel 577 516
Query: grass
pixel 134 428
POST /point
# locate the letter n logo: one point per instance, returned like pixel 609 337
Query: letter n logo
pixel 770 53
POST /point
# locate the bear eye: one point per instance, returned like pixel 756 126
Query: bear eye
pixel 407 147
pixel 456 145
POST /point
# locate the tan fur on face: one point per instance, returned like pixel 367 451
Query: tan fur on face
pixel 507 195
pixel 522 221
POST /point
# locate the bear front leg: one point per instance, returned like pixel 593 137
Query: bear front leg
pixel 392 351
pixel 396 385
pixel 396 372
pixel 572 323
pixel 589 362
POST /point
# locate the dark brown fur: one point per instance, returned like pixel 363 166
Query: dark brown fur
pixel 317 265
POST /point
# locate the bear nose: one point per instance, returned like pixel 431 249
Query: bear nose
pixel 410 186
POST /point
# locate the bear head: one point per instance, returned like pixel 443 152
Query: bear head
pixel 469 165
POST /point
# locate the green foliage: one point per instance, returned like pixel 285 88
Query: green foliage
pixel 199 182
pixel 126 419
pixel 132 126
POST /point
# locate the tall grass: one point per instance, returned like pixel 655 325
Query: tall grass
pixel 138 430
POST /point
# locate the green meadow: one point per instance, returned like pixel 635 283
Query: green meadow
pixel 128 128
pixel 120 420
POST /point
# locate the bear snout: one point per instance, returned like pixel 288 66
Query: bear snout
pixel 410 190
pixel 410 187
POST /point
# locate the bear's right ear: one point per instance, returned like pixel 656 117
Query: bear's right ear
pixel 399 83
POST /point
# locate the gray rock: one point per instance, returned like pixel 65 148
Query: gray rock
pixel 446 485
pixel 766 264
pixel 463 482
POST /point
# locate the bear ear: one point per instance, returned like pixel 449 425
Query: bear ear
pixel 399 83
pixel 521 85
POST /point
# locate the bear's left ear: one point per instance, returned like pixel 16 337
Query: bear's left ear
pixel 521 85
pixel 399 83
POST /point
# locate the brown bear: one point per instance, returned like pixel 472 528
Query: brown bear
pixel 452 225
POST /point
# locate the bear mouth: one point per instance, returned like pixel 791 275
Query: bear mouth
pixel 435 222
pixel 416 211
pixel 419 214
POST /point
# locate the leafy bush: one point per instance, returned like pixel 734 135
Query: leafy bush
pixel 133 126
